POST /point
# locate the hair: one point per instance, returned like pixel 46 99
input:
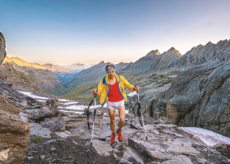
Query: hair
pixel 109 65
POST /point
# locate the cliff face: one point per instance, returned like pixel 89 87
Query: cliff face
pixel 14 132
pixel 201 54
pixel 2 48
pixel 198 97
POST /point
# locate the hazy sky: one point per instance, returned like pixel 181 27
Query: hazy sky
pixel 89 31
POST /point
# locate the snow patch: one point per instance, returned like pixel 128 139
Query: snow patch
pixel 33 96
pixel 64 100
pixel 210 138
pixel 69 103
pixel 81 107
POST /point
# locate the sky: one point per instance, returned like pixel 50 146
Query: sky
pixel 91 31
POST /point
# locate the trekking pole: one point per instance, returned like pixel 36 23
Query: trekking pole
pixel 94 115
pixel 88 113
pixel 139 113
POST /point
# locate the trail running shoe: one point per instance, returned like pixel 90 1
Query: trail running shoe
pixel 120 138
pixel 112 137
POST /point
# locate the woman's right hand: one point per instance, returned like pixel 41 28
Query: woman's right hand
pixel 95 93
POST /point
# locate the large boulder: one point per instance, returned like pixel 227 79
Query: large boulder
pixel 42 114
pixel 199 97
pixel 2 48
pixel 14 134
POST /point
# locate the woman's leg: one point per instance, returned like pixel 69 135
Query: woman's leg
pixel 121 112
pixel 112 120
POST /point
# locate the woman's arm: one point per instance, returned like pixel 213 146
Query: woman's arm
pixel 127 84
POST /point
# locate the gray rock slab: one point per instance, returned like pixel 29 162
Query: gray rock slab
pixel 64 134
pixel 201 160
pixel 102 148
pixel 180 159
pixel 149 150
pixel 130 152
pixel 179 146
pixel 38 130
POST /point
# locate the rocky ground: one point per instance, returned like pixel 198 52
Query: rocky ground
pixel 66 139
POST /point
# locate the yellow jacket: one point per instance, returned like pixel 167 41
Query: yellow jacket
pixel 103 88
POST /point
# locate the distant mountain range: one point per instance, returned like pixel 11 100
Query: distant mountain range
pixel 64 74
pixel 77 67
pixel 154 61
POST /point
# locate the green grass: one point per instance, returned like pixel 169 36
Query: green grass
pixel 82 92
pixel 35 139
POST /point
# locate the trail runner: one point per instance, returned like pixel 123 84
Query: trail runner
pixel 112 88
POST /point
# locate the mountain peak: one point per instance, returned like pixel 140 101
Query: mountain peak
pixel 172 49
pixel 153 53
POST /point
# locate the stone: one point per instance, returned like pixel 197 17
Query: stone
pixel 101 148
pixel 154 131
pixel 54 124
pixel 38 130
pixel 53 149
pixel 152 151
pixel 23 116
pixel 124 161
pixel 30 157
pixel 42 157
pixel 24 103
pixel 180 159
pixel 180 146
pixel 32 107
pixel 50 141
pixel 14 133
pixel 201 160
pixel 130 152
pixel 64 134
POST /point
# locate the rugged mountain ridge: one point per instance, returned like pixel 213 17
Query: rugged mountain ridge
pixel 202 54
pixel 143 64
pixel 31 78
pixel 165 59
pixel 11 75
pixel 153 61
pixel 62 73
